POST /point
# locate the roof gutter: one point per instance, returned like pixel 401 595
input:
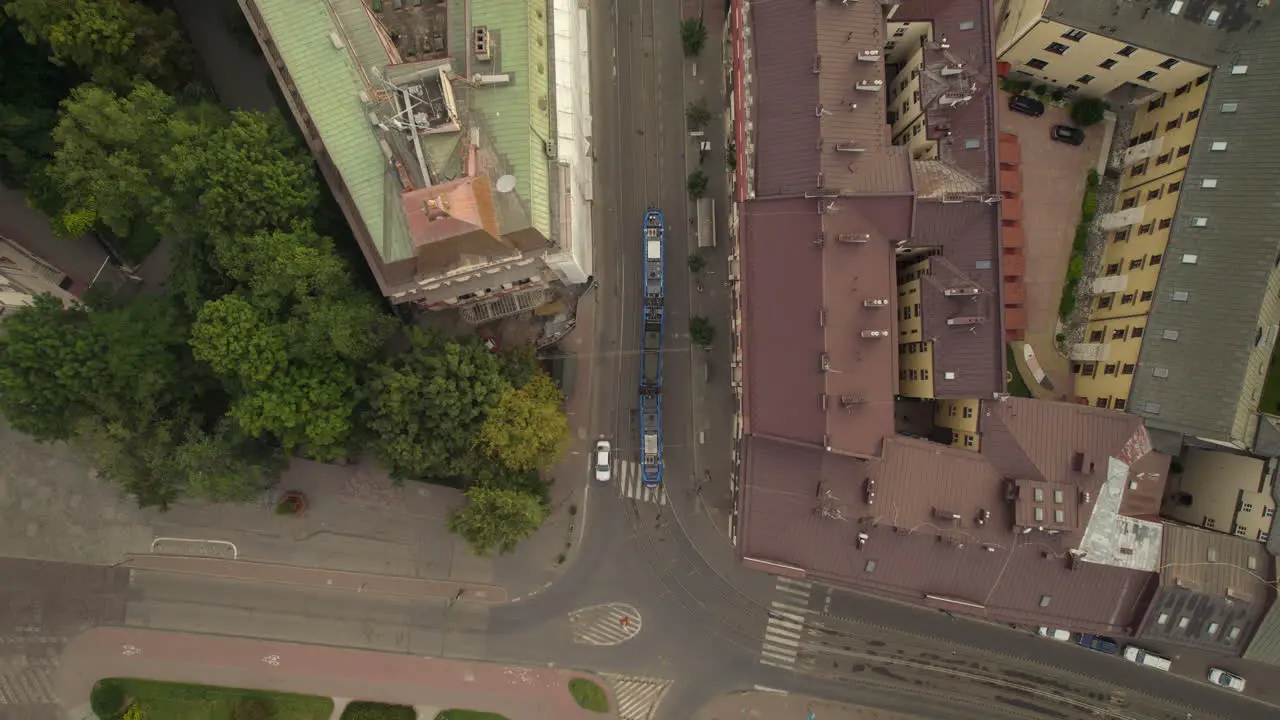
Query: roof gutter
pixel 993 141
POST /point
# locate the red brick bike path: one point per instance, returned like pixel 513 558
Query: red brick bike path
pixel 519 693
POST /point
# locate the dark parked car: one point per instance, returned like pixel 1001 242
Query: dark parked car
pixel 1026 105
pixel 1101 643
pixel 1067 134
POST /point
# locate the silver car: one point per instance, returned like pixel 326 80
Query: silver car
pixel 1222 678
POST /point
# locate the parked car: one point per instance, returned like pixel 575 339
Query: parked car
pixel 1133 653
pixel 1067 134
pixel 604 461
pixel 1026 105
pixel 1101 643
pixel 1225 679
pixel 1054 633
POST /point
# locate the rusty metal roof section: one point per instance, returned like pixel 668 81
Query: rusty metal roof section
pixel 783 343
pixel 939 525
pixel 786 98
pixel 856 153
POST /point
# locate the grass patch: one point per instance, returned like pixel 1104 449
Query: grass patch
pixel 469 715
pixel 367 710
pixel 206 702
pixel 589 695
pixel 1270 400
pixel 1017 387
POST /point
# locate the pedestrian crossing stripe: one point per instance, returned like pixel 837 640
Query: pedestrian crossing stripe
pixel 637 697
pixel 628 477
pixel 608 624
pixel 784 630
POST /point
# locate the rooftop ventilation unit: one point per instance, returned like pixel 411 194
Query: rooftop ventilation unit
pixel 875 302
pixel 875 333
pixel 870 85
pixel 870 56
pixel 821 239
pixel 962 291
pixel 817 64
pixel 481 43
pixel 849 147
pixel 950 100
pixel 968 320
pixel 825 362
pixel 848 401
pixel 336 39
pixel 953 69
pixel 853 237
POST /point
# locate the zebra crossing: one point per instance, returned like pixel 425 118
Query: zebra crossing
pixel 637 697
pixel 608 624
pixel 785 628
pixel 30 684
pixel 627 476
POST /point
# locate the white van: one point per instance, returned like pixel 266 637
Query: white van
pixel 1133 653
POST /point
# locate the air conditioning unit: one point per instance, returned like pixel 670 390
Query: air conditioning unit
pixel 480 43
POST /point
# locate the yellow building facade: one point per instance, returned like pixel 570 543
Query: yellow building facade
pixel 1083 63
pixel 915 353
pixel 961 418
pixel 1137 238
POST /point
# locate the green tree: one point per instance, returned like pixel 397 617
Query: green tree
pixel 1088 111
pixel 693 35
pixel 701 331
pixel 46 357
pixel 427 405
pixel 222 465
pixel 108 159
pixel 244 177
pixel 519 364
pixel 697 184
pixel 497 518
pixel 697 262
pixel 527 428
pixel 114 40
pixel 697 115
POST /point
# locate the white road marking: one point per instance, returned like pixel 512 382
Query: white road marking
pixel 627 476
pixel 637 697
pixel 784 631
pixel 603 625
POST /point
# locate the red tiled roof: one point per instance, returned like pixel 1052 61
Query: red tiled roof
pixel 941 523
pixel 1015 265
pixel 1011 181
pixel 1013 236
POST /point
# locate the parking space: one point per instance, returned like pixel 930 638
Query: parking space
pixel 1053 181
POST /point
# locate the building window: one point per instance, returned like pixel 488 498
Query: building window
pixel 1119 404
pixel 1139 169
pixel 911 375
pixel 1168 63
pixel 1229 107
pixel 1090 369
pixel 1076 35
pixel 1202 79
pixel 1136 264
pixel 968 412
pixel 1137 331
pixel 1241 530
pixel 1268 512
pixel 1145 228
pixel 1185 149
pixel 1038 494
pixel 1182 90
pixel 1216 146
pixel 1126 299
pixel 1108 370
pixel 1072 88
pixel 1095 336
pixel 1175 186
pixel 1117 334
pixel 1208 523
pixel 1037 63
pixel 1056 48
pixel 1180 296
pixel 1129 202
pixel 1148 76
pixel 1113 269
pixel 1263 535
pixel 902 375
pixel 1128 369
pixel 1165 223
pixel 924 374
pixel 968 441
pixel 1108 63
pixel 1162 159
pixel 1039 514
pixel 1045 600
pixel 1156 258
pixel 1122 235
pixel 1059 497
pixel 1126 51
pixel 1153 106
pixel 1146 297
pixel 1246 507
pixel 1060 516
pixel 900 32
pixel 1084 79
pixel 1193 114
pixel 1184 622
pixel 1104 302
pixel 1154 194
pixel 1173 124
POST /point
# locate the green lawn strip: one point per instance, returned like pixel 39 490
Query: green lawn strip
pixel 589 695
pixel 469 715
pixel 367 710
pixel 1270 400
pixel 206 702
pixel 1017 386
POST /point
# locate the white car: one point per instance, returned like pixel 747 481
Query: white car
pixel 1133 653
pixel 1222 678
pixel 604 461
pixel 1055 634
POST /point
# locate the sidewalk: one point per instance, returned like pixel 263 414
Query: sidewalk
pixel 780 706
pixel 430 684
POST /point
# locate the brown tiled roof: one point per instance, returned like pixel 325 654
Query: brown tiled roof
pixel 783 341
pixel 844 30
pixel 1215 563
pixel 967 236
pixel 1145 492
pixel 942 522
pixel 786 98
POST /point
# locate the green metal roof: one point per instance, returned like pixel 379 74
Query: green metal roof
pixel 516 117
pixel 330 82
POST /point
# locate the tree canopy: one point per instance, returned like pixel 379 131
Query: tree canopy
pixel 497 518
pixel 527 428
